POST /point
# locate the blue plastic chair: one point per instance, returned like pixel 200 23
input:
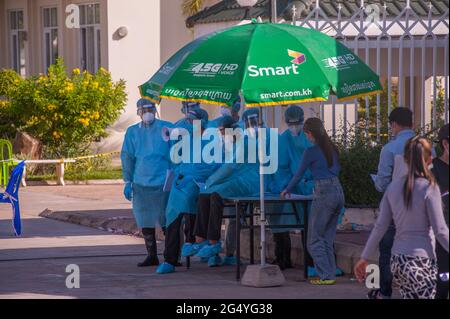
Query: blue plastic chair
pixel 11 196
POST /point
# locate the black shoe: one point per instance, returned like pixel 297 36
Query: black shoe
pixel 149 261
pixel 374 294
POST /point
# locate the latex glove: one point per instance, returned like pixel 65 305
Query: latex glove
pixel 128 191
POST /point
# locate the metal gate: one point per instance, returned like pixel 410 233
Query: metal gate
pixel 410 53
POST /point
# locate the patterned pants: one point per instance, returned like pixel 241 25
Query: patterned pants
pixel 416 276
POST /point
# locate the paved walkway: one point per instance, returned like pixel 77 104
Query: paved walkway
pixel 33 266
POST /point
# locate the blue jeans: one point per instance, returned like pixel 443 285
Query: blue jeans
pixel 385 261
pixel 328 201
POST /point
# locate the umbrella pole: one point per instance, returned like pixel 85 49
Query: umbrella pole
pixel 261 192
pixel 263 212
pixel 262 275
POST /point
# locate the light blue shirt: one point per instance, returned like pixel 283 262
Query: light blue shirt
pixel 387 158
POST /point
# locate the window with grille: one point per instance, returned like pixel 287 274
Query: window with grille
pixel 90 37
pixel 17 38
pixel 50 36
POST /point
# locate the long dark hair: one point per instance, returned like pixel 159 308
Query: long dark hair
pixel 418 152
pixel 315 126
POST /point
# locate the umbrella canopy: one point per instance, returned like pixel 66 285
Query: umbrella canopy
pixel 270 64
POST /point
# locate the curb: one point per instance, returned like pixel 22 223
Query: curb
pixel 120 225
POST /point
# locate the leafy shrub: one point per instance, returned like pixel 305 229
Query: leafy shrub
pixel 359 156
pixel 66 113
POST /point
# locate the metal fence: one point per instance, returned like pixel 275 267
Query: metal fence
pixel 410 53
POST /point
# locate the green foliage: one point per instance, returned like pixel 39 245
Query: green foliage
pixel 384 114
pixel 440 105
pixel 66 113
pixel 9 82
pixel 359 156
pixel 191 7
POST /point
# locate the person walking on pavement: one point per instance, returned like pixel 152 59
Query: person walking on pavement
pixel 391 167
pixel 414 204
pixel 440 172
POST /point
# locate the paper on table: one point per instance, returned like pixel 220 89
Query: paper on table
pixel 169 180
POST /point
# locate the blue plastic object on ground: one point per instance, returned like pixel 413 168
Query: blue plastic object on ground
pixel 11 196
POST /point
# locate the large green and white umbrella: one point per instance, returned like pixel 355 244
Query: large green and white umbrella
pixel 270 64
pixel 266 64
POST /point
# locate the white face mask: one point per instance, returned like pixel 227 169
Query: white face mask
pixel 148 118
pixel 225 111
pixel 295 129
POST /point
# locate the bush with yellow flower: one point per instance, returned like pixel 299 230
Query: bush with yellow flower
pixel 65 112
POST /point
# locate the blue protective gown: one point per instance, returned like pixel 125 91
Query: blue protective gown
pixel 290 149
pixel 215 123
pixel 184 193
pixel 145 160
pixel 236 179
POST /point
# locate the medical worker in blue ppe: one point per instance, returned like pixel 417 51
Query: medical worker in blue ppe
pixel 145 161
pixel 185 121
pixel 183 203
pixel 292 144
pixel 231 179
pixel 227 111
pixel 229 118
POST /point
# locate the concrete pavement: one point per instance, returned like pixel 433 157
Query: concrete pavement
pixel 33 266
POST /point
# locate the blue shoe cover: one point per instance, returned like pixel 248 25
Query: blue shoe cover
pixel 189 249
pixel 210 250
pixel 215 261
pixel 165 268
pixel 229 261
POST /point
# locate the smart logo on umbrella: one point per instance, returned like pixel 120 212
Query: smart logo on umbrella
pixel 299 58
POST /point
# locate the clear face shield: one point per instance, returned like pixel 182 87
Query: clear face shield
pixel 295 128
pixel 252 124
pixel 147 114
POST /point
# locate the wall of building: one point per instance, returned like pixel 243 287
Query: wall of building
pixel 174 35
pixel 3 25
pixel 132 58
